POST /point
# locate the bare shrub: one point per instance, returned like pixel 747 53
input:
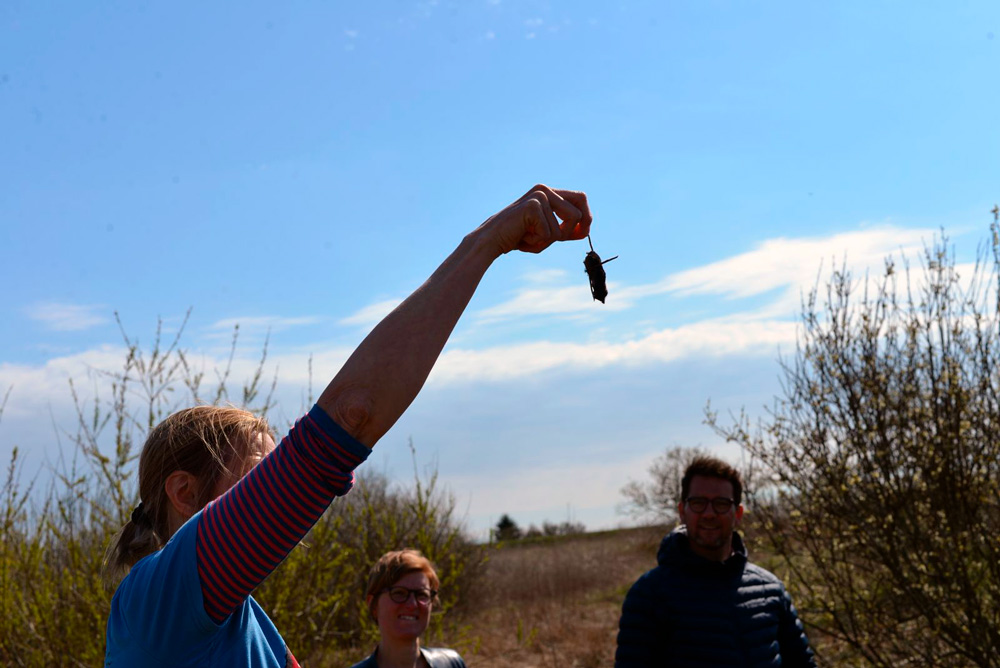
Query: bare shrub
pixel 656 500
pixel 885 452
pixel 53 602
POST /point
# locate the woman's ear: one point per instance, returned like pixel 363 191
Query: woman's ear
pixel 370 600
pixel 182 491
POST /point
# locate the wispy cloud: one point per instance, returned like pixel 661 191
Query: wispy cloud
pixel 547 292
pixel 67 317
pixel 36 387
pixel 537 300
pixel 707 338
pixel 757 330
pixel 272 322
pixel 371 314
pixel 791 264
pixel 257 325
pixel 780 262
pixel 352 36
pixel 533 25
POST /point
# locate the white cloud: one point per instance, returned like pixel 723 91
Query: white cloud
pixel 253 327
pixel 549 292
pixel 370 315
pixel 534 23
pixel 40 394
pixel 36 387
pixel 273 323
pixel 710 338
pixel 780 262
pixel 776 263
pixel 67 317
pixel 545 276
pixel 549 301
pixel 792 264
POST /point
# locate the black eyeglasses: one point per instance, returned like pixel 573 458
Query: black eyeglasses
pixel 699 504
pixel 402 594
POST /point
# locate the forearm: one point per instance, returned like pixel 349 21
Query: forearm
pixel 383 376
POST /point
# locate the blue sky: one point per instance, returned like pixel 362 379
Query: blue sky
pixel 300 168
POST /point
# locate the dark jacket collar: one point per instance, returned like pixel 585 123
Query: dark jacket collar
pixel 675 551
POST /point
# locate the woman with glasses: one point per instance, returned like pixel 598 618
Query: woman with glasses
pixel 402 590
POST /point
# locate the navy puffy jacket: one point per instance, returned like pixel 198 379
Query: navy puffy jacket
pixel 690 611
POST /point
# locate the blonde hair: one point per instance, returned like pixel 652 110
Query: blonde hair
pixel 207 441
pixel 392 566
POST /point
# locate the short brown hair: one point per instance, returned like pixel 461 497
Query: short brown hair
pixel 710 467
pixel 394 565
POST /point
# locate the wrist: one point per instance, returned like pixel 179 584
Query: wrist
pixel 481 247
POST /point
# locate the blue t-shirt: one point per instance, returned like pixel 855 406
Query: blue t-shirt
pixel 189 604
pixel 158 617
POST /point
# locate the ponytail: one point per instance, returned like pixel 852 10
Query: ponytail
pixel 134 541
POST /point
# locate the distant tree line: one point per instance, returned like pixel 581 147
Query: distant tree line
pixel 507 529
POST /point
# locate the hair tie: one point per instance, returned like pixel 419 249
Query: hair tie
pixel 139 516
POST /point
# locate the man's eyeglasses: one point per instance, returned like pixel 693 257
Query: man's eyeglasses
pixel 402 594
pixel 699 504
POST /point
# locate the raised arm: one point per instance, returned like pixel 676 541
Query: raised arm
pixel 248 531
pixel 390 366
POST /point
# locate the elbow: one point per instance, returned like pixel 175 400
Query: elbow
pixel 353 410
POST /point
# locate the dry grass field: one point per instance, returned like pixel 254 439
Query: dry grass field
pixel 553 603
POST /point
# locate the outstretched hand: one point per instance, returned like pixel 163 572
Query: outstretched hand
pixel 538 219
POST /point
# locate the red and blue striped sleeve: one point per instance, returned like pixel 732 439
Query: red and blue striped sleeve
pixel 245 533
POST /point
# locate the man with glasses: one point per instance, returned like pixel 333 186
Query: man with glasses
pixel 705 604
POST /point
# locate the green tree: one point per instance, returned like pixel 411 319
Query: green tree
pixel 884 451
pixel 565 528
pixel 506 529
